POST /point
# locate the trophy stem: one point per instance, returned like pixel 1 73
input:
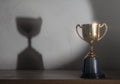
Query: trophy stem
pixel 91 47
pixel 91 53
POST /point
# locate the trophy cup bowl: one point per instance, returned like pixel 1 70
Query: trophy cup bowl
pixel 91 33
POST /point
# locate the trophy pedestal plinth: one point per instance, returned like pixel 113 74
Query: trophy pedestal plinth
pixel 91 69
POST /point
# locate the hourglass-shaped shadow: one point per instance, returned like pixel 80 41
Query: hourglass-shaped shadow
pixel 29 59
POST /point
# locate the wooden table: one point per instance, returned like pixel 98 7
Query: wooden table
pixel 54 77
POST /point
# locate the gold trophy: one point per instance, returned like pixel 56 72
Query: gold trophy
pixel 91 33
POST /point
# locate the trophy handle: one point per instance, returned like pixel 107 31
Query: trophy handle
pixel 78 26
pixel 104 25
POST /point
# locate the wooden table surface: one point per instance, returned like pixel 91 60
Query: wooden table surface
pixel 54 77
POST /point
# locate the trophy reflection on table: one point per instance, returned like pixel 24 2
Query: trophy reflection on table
pixel 91 33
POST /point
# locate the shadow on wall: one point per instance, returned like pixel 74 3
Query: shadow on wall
pixel 29 59
pixel 108 48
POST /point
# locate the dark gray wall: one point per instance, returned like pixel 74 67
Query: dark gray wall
pixel 108 48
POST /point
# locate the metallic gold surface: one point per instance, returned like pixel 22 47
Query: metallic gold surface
pixel 91 33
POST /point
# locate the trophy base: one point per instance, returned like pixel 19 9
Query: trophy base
pixel 92 69
pixel 93 76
